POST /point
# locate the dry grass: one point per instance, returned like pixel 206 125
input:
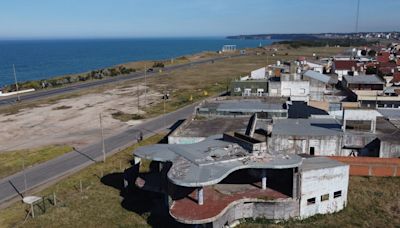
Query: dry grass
pixel 12 161
pixel 372 202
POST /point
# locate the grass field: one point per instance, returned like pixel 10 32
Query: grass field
pixel 12 161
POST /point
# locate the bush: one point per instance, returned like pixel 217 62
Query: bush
pixel 158 64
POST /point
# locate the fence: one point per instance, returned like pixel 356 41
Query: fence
pixel 367 166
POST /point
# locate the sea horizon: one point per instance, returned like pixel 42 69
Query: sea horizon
pixel 41 59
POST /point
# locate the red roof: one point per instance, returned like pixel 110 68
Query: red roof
pixel 345 64
pixel 388 64
pixel 387 68
pixel 383 57
pixel 396 78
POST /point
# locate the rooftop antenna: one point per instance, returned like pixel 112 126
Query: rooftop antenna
pixel 357 15
pixel 357 20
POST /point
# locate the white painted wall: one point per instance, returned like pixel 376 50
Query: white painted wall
pixel 315 183
pixel 360 114
pixel 295 88
pixel 259 73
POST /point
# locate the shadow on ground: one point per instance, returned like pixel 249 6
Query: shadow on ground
pixel 150 205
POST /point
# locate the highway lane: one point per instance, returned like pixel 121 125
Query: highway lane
pixel 82 157
pixel 71 88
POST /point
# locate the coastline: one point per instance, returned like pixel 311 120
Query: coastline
pixel 46 60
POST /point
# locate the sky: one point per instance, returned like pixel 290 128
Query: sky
pixel 26 19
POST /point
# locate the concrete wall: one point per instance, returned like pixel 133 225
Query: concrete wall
pixel 274 89
pixel 295 88
pixel 258 74
pixel 316 183
pixel 360 114
pixel 280 210
pixel 389 149
pixel 184 140
pixel 317 90
pixel 323 145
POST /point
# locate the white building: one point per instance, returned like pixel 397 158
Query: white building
pixel 324 186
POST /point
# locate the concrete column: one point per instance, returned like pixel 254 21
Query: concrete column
pixel 200 196
pixel 264 180
pixel 373 126
pixel 344 125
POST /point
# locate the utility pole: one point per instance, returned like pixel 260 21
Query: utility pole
pixel 102 138
pixel 165 98
pixel 16 83
pixel 145 86
pixel 138 98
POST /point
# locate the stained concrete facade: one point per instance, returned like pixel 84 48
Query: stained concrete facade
pixel 323 187
pixel 320 137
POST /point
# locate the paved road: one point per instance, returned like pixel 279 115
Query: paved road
pixel 46 93
pixel 53 169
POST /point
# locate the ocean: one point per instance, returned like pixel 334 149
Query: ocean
pixel 43 59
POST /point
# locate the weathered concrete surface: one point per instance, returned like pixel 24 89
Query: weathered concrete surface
pixel 316 183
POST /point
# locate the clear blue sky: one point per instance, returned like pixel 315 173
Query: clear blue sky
pixel 174 18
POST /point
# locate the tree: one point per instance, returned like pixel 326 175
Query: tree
pixel 363 52
pixel 371 70
pixel 372 53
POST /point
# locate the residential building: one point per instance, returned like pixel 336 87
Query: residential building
pixel 344 67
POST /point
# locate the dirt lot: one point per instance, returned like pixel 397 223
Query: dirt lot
pixel 73 121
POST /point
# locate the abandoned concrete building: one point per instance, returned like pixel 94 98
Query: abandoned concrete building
pixel 301 130
pixel 216 116
pixel 320 137
pixel 224 179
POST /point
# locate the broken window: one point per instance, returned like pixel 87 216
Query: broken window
pixel 311 201
pixel 325 197
pixel 337 194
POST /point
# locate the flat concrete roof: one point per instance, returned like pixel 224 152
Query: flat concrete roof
pixel 390 113
pixel 316 163
pixel 307 127
pixel 210 161
pixel 317 76
pixel 208 127
pixel 245 105
pixel 363 79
